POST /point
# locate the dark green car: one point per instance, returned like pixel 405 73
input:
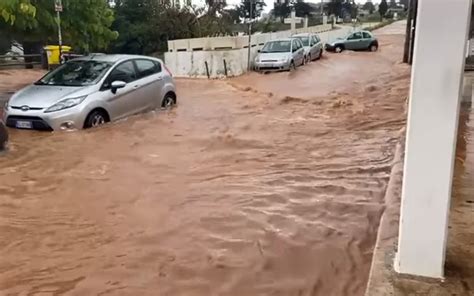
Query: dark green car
pixel 362 40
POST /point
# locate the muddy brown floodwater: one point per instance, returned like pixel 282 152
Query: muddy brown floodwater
pixel 261 185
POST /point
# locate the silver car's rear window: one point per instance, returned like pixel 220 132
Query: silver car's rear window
pixel 305 40
pixel 76 73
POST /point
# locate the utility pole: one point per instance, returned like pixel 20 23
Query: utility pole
pixel 413 31
pixel 406 51
pixel 410 32
pixel 58 7
pixel 250 34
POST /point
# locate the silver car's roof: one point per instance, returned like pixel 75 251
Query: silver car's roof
pixel 281 39
pixel 303 35
pixel 111 58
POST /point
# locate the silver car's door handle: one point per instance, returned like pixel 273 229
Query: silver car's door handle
pixel 136 86
pixel 159 78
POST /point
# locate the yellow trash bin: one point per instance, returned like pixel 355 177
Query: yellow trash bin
pixel 52 51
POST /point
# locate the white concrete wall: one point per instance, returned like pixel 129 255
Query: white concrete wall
pixel 237 42
pixel 192 63
pixel 431 136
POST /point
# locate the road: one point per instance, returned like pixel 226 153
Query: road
pixel 259 185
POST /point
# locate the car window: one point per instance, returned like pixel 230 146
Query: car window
pixel 305 40
pixel 123 72
pixel 300 44
pixel 147 67
pixel 355 36
pixel 277 46
pixel 76 73
pixel 294 46
pixel 367 35
pixel 315 39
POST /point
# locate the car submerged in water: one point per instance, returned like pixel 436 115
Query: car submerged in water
pixel 281 54
pixel 312 45
pixel 362 40
pixel 90 91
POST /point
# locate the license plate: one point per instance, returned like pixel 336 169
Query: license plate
pixel 24 124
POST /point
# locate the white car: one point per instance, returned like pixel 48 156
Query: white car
pixel 281 54
pixel 312 45
pixel 90 91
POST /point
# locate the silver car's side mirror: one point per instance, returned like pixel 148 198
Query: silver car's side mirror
pixel 116 85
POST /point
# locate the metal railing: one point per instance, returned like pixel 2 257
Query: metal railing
pixel 25 60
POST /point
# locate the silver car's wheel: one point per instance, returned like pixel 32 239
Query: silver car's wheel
pixel 373 48
pixel 168 102
pixel 292 66
pixel 96 118
pixel 338 49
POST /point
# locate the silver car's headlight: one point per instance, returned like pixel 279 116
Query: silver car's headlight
pixel 65 104
pixel 6 105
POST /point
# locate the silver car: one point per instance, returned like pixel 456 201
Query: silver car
pixel 282 54
pixel 313 46
pixel 90 91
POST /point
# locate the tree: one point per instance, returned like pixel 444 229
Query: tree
pixel 215 6
pixel 302 9
pixel 5 45
pixel 85 24
pixel 145 26
pixel 347 10
pixel 393 4
pixel 404 3
pixel 257 8
pixel 282 10
pixel 354 10
pixel 383 8
pixel 335 7
pixel 369 6
pixel 233 14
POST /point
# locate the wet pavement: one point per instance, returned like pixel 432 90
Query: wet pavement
pixel 260 185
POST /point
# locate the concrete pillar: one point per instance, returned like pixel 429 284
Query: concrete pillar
pixel 431 135
pixel 305 22
pixel 293 22
pixel 325 20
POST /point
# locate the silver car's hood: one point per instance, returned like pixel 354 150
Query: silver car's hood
pixel 43 96
pixel 274 56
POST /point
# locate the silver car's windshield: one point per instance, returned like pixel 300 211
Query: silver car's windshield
pixel 305 40
pixel 76 73
pixel 277 46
